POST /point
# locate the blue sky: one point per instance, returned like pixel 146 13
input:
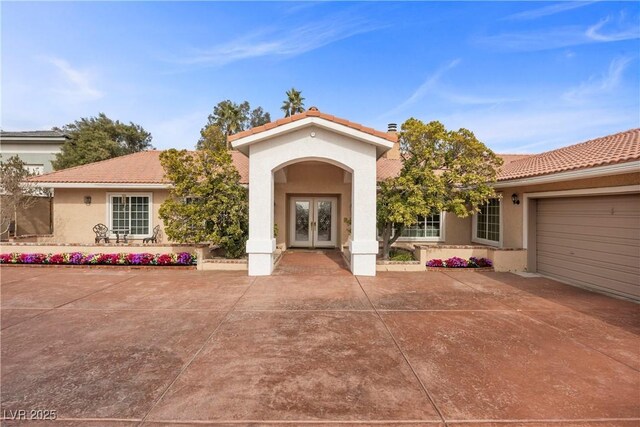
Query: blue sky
pixel 524 76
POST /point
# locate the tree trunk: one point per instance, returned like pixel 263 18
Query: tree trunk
pixel 386 236
pixel 388 239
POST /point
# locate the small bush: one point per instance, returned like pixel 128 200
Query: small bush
pixel 400 255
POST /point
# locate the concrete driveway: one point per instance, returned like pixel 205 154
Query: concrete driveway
pixel 121 347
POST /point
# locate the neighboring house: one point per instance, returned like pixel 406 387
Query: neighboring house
pixel 575 210
pixel 36 149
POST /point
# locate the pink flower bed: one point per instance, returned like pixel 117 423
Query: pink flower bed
pixel 456 262
pixel 78 258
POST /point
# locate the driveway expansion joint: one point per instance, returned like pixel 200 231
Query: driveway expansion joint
pixel 186 365
pixel 404 356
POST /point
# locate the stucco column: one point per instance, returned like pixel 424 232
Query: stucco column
pixel 363 245
pixel 261 244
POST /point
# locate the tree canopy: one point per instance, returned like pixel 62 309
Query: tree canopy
pixel 442 170
pixel 294 103
pixel 207 202
pixel 99 138
pixel 232 118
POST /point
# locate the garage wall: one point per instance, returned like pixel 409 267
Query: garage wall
pixel 513 214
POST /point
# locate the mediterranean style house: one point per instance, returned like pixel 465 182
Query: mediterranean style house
pixel 571 213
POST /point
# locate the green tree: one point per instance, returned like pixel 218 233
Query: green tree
pixel 442 170
pixel 233 118
pixel 259 117
pixel 99 138
pixel 16 193
pixel 294 103
pixel 207 202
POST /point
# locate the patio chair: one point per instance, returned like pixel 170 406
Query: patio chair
pixel 102 233
pixel 154 237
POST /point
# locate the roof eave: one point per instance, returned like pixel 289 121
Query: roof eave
pixel 592 172
pixel 242 144
pixel 129 185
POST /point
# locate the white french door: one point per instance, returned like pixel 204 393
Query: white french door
pixel 313 222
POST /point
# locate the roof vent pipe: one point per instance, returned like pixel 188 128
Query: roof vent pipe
pixel 392 127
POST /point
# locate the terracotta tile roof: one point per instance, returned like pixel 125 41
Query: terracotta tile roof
pixel 314 112
pixel 387 168
pixel 241 162
pixel 617 148
pixel 138 168
pixel 508 158
pixel 145 167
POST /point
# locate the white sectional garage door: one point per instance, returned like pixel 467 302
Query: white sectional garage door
pixel 591 241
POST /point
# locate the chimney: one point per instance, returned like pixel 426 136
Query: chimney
pixel 394 152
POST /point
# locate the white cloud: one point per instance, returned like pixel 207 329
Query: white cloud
pixel 429 84
pixel 437 90
pixel 75 84
pixel 296 41
pixel 537 127
pixel 602 84
pixel 604 31
pixel 596 33
pixel 548 10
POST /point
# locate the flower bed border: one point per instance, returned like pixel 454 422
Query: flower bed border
pixel 120 259
pixel 466 269
pixel 457 263
pixel 102 266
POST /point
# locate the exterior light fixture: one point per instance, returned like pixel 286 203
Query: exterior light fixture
pixel 515 199
pixel 87 200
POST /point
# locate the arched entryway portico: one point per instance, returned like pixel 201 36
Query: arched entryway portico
pixel 312 138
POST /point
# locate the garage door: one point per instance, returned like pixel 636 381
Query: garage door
pixel 591 241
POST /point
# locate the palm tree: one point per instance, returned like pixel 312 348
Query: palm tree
pixel 294 103
pixel 228 116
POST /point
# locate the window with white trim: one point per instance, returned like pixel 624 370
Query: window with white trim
pixel 130 214
pixel 487 222
pixel 428 227
pixel 34 169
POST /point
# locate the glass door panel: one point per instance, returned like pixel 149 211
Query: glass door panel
pixel 325 222
pixel 301 223
pixel 313 222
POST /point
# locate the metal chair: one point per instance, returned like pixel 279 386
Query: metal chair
pixel 102 233
pixel 154 237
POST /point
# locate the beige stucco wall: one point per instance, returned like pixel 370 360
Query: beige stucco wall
pixel 457 230
pixel 512 215
pixel 312 178
pixel 503 259
pixel 73 220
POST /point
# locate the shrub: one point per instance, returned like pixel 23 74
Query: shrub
pixel 480 262
pixel 400 255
